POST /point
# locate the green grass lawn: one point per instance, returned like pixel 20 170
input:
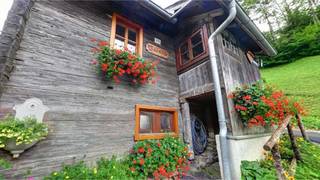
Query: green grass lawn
pixel 300 79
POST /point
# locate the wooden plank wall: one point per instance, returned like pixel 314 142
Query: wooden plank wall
pixel 196 81
pixel 235 70
pixel 86 119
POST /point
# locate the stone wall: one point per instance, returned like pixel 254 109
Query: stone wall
pixel 87 119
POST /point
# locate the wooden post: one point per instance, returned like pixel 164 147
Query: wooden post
pixel 276 134
pixel 293 142
pixel 187 127
pixel 277 162
pixel 301 127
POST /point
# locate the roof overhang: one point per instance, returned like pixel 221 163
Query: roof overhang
pixel 242 19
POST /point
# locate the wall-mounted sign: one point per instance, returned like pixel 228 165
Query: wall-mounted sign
pixel 157 41
pixel 157 51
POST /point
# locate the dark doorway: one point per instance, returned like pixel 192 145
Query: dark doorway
pixel 203 108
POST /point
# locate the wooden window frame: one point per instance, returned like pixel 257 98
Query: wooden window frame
pixel 117 19
pixel 193 60
pixel 140 136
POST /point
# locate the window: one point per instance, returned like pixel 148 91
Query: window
pixel 153 122
pixel 193 49
pixel 126 34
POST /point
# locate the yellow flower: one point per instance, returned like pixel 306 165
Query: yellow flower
pixel 55 173
pixel 67 177
pixel 94 170
pixel 286 174
pixel 291 178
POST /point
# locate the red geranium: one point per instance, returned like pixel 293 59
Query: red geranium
pixel 115 63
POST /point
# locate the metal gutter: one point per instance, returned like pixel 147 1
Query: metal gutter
pixel 249 24
pixel 224 148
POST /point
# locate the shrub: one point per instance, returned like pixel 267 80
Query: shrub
pixel 159 158
pixel 115 63
pixel 22 131
pixel 166 158
pixel 260 105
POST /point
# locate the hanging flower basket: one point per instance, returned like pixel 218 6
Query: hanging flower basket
pixel 116 65
pixel 260 105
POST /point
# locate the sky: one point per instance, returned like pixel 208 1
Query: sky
pixel 5 6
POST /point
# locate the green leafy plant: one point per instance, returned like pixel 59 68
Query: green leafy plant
pixel 251 170
pixel 115 63
pixel 306 169
pixel 164 158
pixel 23 131
pixel 4 165
pixel 260 105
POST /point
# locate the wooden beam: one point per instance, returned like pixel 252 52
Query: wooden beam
pixel 277 162
pixel 301 127
pixel 277 133
pixel 210 14
pixel 293 143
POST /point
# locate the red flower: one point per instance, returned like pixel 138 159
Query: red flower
pixel 104 67
pixel 231 95
pixel 239 107
pixel 141 150
pixel 134 162
pixel 103 43
pixel 149 150
pixel 247 97
pixel 180 161
pixel 255 103
pixel 116 79
pixel 141 162
pixel 118 52
pixel 132 169
pixel 159 144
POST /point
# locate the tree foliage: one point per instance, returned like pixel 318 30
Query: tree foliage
pixel 294 27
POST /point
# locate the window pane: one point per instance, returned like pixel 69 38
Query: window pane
pixel 185 57
pixel 119 44
pixel 196 39
pixel 197 50
pixel 184 48
pixel 132 35
pixel 131 47
pixel 146 122
pixel 184 53
pixel 120 30
pixel 166 122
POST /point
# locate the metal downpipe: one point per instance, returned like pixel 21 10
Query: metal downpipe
pixel 217 89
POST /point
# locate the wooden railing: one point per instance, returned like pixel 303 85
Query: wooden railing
pixel 273 146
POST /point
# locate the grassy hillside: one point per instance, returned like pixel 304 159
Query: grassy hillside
pixel 300 79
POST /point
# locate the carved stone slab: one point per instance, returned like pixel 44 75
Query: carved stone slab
pixel 32 107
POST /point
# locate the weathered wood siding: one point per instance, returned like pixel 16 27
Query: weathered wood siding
pixel 86 119
pixel 196 81
pixel 235 70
